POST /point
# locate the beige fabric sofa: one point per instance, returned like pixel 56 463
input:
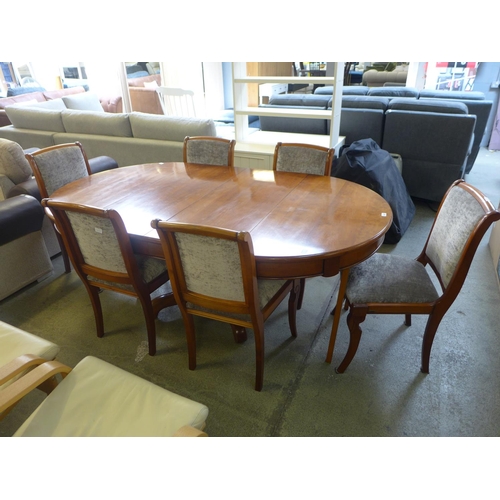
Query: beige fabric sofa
pixel 129 138
pixel 110 104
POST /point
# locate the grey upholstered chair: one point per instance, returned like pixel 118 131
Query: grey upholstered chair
pixel 209 150
pixel 98 399
pixel 102 255
pixel 390 284
pixel 303 158
pixel 213 275
pixel 54 167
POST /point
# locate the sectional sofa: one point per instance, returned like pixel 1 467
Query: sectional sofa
pixel 129 138
pixel 437 133
pixel 110 104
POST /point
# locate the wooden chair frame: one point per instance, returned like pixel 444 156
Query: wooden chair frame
pixel 437 309
pixel 31 157
pixel 250 306
pixel 132 277
pixel 330 153
pixel 230 142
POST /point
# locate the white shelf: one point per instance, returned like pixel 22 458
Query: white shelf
pixel 241 109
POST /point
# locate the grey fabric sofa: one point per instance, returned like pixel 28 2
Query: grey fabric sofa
pixel 434 139
pixel 129 138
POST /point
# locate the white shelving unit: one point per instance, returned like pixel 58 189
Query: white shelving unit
pixel 255 148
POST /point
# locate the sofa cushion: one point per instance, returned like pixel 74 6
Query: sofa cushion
pixel 13 91
pixel 315 100
pixel 35 119
pixel 365 102
pixel 90 122
pixel 9 101
pixel 452 94
pixel 429 105
pixel 57 104
pixel 171 128
pixel 394 91
pixel 87 101
pixel 58 93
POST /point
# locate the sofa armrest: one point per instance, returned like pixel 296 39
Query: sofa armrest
pixel 112 104
pixel 29 187
pixel 5 186
pixel 19 216
pixel 102 163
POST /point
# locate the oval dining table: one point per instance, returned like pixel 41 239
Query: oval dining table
pixel 302 225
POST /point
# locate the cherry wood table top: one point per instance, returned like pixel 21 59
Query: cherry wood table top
pixel 301 225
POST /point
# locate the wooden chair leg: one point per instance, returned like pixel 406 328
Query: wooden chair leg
pixel 149 316
pixel 190 338
pixel 96 306
pixel 64 253
pixel 407 319
pixel 429 334
pixel 259 356
pixel 336 318
pixel 354 319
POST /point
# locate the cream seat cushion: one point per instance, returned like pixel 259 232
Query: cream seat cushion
pixel 15 342
pixel 99 399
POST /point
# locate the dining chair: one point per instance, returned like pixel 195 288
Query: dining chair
pixel 303 158
pixel 101 253
pixel 209 150
pixel 54 167
pixel 98 399
pixel 391 284
pixel 176 101
pixel 213 275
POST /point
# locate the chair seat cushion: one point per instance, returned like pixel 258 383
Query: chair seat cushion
pixel 14 342
pixel 99 399
pixel 385 278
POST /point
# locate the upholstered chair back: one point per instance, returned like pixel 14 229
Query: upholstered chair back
pixel 303 158
pixel 57 166
pixel 209 151
pixel 211 266
pixel 457 219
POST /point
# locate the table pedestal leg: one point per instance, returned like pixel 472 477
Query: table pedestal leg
pixel 344 274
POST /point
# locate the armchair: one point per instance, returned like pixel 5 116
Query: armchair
pixel 97 399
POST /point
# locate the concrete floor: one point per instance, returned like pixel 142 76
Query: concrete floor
pixel 382 393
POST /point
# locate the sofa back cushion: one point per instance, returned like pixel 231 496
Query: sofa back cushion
pixel 35 119
pixel 394 92
pixel 452 94
pixel 90 122
pixel 88 101
pixel 9 101
pixel 171 128
pixel 57 94
pixel 57 104
pixel 429 105
pixel 314 100
pixel 364 102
